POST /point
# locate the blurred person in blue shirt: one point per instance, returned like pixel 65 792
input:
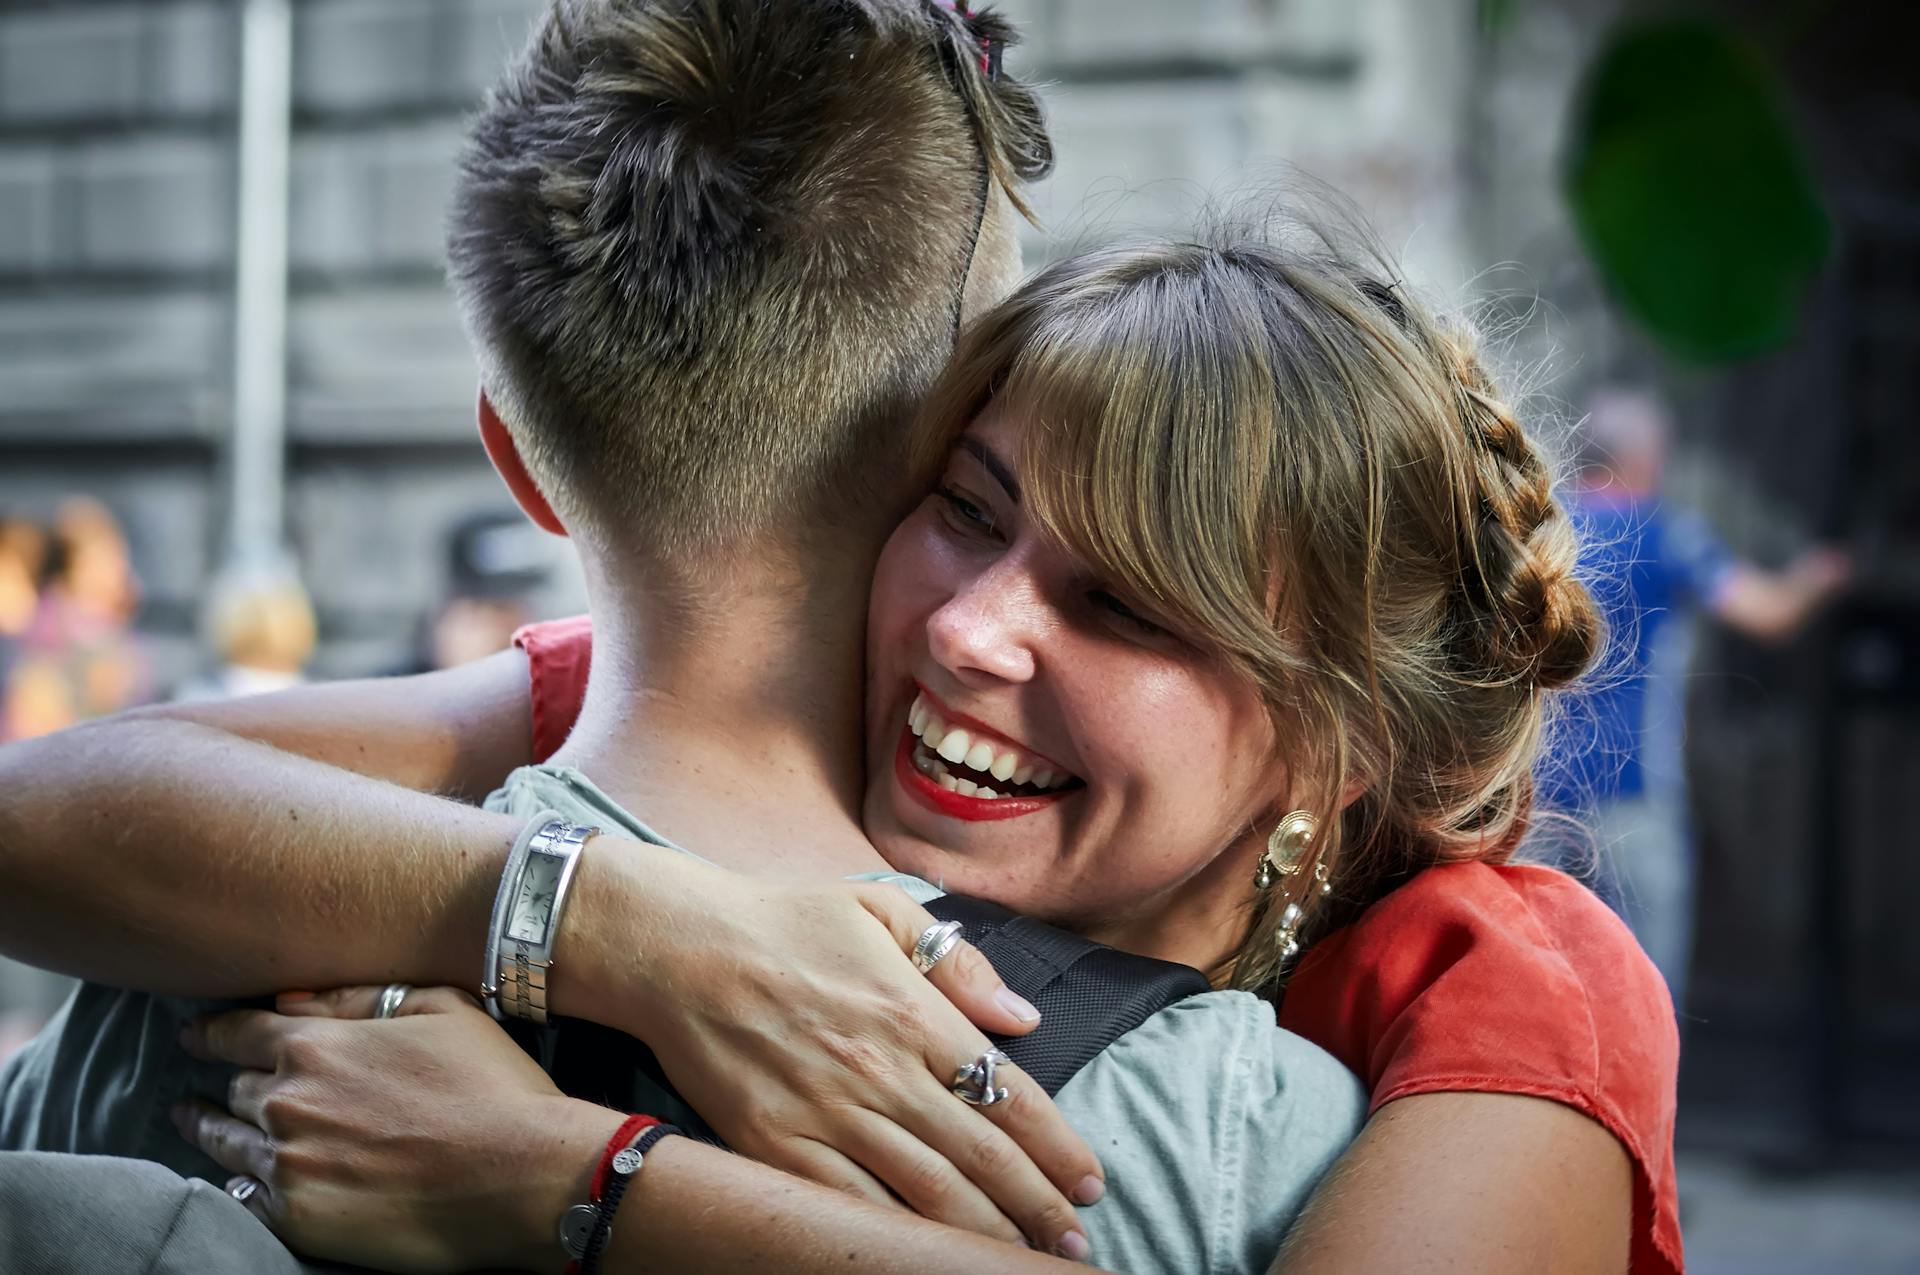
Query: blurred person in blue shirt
pixel 1616 763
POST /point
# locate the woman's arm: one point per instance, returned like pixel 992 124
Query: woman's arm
pixel 1483 1182
pixel 430 1142
pixel 172 855
pixel 179 849
pixel 456 732
pixel 696 1208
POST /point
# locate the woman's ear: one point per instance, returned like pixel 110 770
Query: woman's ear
pixel 505 456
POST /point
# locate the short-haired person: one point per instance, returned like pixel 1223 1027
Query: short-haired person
pixel 1181 632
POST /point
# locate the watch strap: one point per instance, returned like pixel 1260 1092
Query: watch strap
pixel 503 905
pixel 520 979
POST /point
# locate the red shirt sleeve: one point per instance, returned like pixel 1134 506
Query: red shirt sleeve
pixel 559 655
pixel 1507 979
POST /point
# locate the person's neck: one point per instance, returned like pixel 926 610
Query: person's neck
pixel 724 709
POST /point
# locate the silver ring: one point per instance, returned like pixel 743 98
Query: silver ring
pixel 973 1083
pixel 392 996
pixel 934 943
pixel 243 1189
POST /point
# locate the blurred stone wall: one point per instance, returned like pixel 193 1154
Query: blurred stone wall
pixel 117 141
pixel 116 239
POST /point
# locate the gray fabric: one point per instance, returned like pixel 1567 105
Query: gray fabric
pixel 92 1215
pixel 101 1077
pixel 1213 1125
pixel 1645 836
pixel 533 789
pixel 26 989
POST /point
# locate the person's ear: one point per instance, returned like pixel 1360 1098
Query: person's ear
pixel 505 456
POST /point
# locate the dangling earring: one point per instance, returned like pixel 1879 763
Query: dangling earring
pixel 1287 848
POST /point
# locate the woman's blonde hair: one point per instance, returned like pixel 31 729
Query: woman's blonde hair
pixel 1310 476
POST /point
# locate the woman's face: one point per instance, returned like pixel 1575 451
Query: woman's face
pixel 1037 739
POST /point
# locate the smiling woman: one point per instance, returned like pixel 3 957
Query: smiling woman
pixel 1155 756
pixel 1226 531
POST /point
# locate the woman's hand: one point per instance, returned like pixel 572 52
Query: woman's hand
pixel 426 1142
pixel 792 1019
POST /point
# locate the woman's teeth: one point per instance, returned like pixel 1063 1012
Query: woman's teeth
pixel 986 757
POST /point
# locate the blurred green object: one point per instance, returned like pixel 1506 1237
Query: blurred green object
pixel 1497 15
pixel 1689 188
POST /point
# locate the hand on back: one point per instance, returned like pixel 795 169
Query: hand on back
pixel 792 1018
pixel 425 1142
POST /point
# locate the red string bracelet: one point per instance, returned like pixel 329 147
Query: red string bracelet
pixel 630 1128
pixel 623 1137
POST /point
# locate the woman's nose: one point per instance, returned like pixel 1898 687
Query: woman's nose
pixel 985 633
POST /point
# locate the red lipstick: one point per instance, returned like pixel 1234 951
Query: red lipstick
pixel 957 805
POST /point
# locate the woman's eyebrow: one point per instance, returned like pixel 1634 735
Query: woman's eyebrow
pixel 993 465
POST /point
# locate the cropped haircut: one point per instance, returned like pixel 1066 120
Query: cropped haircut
pixel 1315 480
pixel 710 252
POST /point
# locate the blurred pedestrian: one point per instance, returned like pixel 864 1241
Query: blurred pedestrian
pixel 23 560
pixel 1654 566
pixel 259 623
pixel 23 556
pixel 77 658
pixel 495 562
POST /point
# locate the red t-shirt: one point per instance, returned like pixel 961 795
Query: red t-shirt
pixel 1470 977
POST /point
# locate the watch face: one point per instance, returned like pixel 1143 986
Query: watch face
pixel 533 905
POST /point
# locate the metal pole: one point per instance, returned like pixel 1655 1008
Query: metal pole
pixel 258 456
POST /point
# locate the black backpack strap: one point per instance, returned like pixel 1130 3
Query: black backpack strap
pixel 1089 995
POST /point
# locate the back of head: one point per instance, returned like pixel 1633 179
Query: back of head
pixel 1267 439
pixel 1625 431
pixel 261 620
pixel 710 252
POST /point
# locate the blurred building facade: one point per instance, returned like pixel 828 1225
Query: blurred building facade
pixel 116 243
pixel 117 146
pixel 117 192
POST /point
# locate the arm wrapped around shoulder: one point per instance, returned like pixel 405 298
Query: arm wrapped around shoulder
pixel 1507 979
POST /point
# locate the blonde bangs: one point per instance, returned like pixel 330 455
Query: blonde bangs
pixel 1147 453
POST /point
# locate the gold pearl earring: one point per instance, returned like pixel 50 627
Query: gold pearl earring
pixel 1287 848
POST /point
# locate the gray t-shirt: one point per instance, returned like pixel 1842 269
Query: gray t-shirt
pixel 1213 1124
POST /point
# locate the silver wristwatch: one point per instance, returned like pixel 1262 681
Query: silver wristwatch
pixel 533 895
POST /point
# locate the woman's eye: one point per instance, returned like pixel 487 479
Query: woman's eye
pixel 1126 616
pixel 968 514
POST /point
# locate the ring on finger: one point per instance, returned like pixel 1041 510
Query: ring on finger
pixel 973 1083
pixel 243 1188
pixel 934 943
pixel 392 996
